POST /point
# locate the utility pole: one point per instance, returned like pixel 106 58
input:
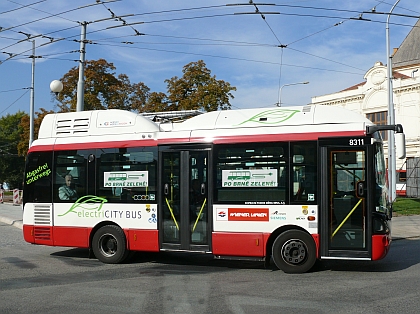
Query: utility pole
pixel 81 82
pixel 392 176
pixel 31 106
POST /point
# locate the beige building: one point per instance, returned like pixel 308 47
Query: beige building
pixel 370 97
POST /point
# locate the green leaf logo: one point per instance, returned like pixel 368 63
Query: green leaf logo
pixel 272 116
pixel 87 202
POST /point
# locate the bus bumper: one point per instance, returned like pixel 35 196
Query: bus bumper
pixel 380 246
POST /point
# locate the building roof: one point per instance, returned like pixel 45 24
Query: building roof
pixel 395 75
pixel 408 53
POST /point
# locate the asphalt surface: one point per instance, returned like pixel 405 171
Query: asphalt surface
pixel 401 226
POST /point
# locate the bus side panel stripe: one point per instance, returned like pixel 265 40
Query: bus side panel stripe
pixel 93 145
pixel 216 140
pixel 71 236
pixel 238 244
pixel 250 138
pixel 28 233
pixel 380 246
pixel 143 240
pixel 316 239
pixel 38 234
pixel 41 148
pixel 310 136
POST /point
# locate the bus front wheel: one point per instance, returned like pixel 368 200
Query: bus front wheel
pixel 109 244
pixel 294 251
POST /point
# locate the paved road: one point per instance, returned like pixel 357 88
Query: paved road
pixel 41 279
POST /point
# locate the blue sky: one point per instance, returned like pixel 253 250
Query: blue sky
pixel 323 43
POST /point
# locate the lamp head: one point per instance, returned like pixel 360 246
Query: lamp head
pixel 56 86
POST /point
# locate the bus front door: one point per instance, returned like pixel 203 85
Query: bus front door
pixel 184 222
pixel 345 219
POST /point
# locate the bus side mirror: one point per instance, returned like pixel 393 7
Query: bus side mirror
pixel 400 145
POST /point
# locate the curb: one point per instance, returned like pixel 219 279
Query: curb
pixel 14 223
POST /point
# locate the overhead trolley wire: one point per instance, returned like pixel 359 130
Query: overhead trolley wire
pixel 15 101
pixel 21 6
pixel 223 57
pixel 189 18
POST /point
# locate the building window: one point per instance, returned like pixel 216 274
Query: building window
pixel 379 118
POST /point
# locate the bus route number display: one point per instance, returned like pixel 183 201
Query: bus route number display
pixel 356 142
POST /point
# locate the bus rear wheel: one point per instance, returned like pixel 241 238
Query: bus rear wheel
pixel 109 244
pixel 294 251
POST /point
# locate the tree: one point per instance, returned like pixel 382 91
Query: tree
pixel 22 147
pixel 11 162
pixel 157 101
pixel 103 90
pixel 197 89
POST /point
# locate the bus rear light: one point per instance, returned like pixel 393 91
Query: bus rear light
pixel 311 218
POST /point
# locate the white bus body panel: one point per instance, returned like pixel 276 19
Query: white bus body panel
pixel 264 218
pixel 127 216
pixel 118 125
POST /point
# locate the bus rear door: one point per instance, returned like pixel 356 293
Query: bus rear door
pixel 184 202
pixel 345 220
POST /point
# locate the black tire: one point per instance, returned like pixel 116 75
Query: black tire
pixel 109 244
pixel 294 251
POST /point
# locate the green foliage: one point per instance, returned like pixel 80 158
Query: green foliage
pixel 103 89
pixel 406 206
pixel 11 163
pixel 22 146
pixel 198 90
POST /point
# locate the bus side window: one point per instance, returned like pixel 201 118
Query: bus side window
pixel 304 171
pixel 69 165
pixel 251 173
pixel 127 175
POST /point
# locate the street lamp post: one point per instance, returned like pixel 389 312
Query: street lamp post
pixel 281 89
pixel 392 176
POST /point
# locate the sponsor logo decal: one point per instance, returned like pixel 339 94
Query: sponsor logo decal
pixel 222 215
pixel 115 123
pixel 243 214
pixel 272 116
pixel 91 206
pixel 276 215
pixel 40 172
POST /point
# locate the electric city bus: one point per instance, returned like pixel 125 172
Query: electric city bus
pixel 287 184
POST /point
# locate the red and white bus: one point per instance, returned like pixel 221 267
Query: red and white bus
pixel 290 184
pixel 401 183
